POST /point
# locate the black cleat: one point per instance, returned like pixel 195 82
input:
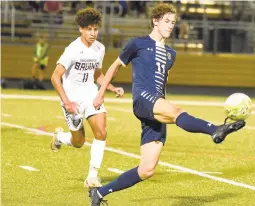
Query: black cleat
pixel 226 129
pixel 95 199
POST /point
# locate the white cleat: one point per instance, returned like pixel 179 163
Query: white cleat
pixel 55 144
pixel 92 182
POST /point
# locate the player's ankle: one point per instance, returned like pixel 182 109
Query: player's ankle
pixel 93 172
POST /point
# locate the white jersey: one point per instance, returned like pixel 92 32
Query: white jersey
pixel 80 63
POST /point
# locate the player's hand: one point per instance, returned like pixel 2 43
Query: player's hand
pixel 71 107
pixel 119 91
pixel 98 101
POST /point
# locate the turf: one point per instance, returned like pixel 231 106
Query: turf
pixel 60 176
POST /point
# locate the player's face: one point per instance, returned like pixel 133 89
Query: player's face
pixel 166 25
pixel 89 33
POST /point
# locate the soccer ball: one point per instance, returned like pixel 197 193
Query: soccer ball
pixel 238 106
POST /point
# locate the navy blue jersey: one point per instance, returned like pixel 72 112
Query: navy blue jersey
pixel 151 62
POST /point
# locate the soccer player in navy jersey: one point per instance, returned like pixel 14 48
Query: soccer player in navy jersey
pixel 151 60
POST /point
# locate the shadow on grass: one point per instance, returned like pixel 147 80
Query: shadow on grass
pixel 188 200
pixel 104 179
pixel 107 179
pixel 155 179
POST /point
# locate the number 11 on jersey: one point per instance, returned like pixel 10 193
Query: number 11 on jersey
pixel 85 77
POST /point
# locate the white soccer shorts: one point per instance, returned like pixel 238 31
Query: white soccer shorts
pixel 75 121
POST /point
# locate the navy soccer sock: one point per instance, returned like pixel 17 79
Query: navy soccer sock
pixel 125 180
pixel 195 125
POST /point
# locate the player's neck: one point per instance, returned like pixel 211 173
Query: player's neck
pixel 157 37
pixel 85 42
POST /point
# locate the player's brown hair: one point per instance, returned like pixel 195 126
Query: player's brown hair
pixel 160 10
pixel 88 16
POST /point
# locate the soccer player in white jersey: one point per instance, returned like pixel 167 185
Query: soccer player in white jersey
pixel 79 67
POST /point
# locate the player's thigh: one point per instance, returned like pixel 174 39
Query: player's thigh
pixel 150 154
pixel 166 112
pixel 97 123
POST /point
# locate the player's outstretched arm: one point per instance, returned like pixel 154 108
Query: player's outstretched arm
pixel 106 81
pixel 99 78
pixel 56 82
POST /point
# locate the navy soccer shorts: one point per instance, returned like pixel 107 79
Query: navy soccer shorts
pixel 152 130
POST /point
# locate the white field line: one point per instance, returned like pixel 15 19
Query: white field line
pixel 56 98
pixel 111 119
pixel 29 168
pixel 165 164
pixel 108 118
pixel 6 115
pixel 36 133
pixel 113 100
pixel 115 170
pixel 203 172
pixel 119 109
pixel 130 111
pixel 246 127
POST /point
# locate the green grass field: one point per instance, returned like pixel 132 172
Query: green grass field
pixel 225 173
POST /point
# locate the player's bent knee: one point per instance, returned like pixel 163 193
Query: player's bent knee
pixel 145 173
pixel 101 134
pixel 79 143
pixel 166 112
pixel 177 111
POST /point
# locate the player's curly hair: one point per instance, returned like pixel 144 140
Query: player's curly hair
pixel 88 16
pixel 160 10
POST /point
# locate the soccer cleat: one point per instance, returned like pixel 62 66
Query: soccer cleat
pixel 226 129
pixel 92 182
pixel 95 199
pixel 55 144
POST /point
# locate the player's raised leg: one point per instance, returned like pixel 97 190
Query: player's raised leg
pixel 98 125
pixel 150 153
pixel 76 136
pixel 73 138
pixel 166 112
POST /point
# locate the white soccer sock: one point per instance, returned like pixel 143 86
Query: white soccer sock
pixel 65 138
pixel 96 157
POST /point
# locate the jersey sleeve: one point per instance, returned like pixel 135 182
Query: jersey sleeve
pixel 173 60
pixel 101 58
pixel 66 59
pixel 128 53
